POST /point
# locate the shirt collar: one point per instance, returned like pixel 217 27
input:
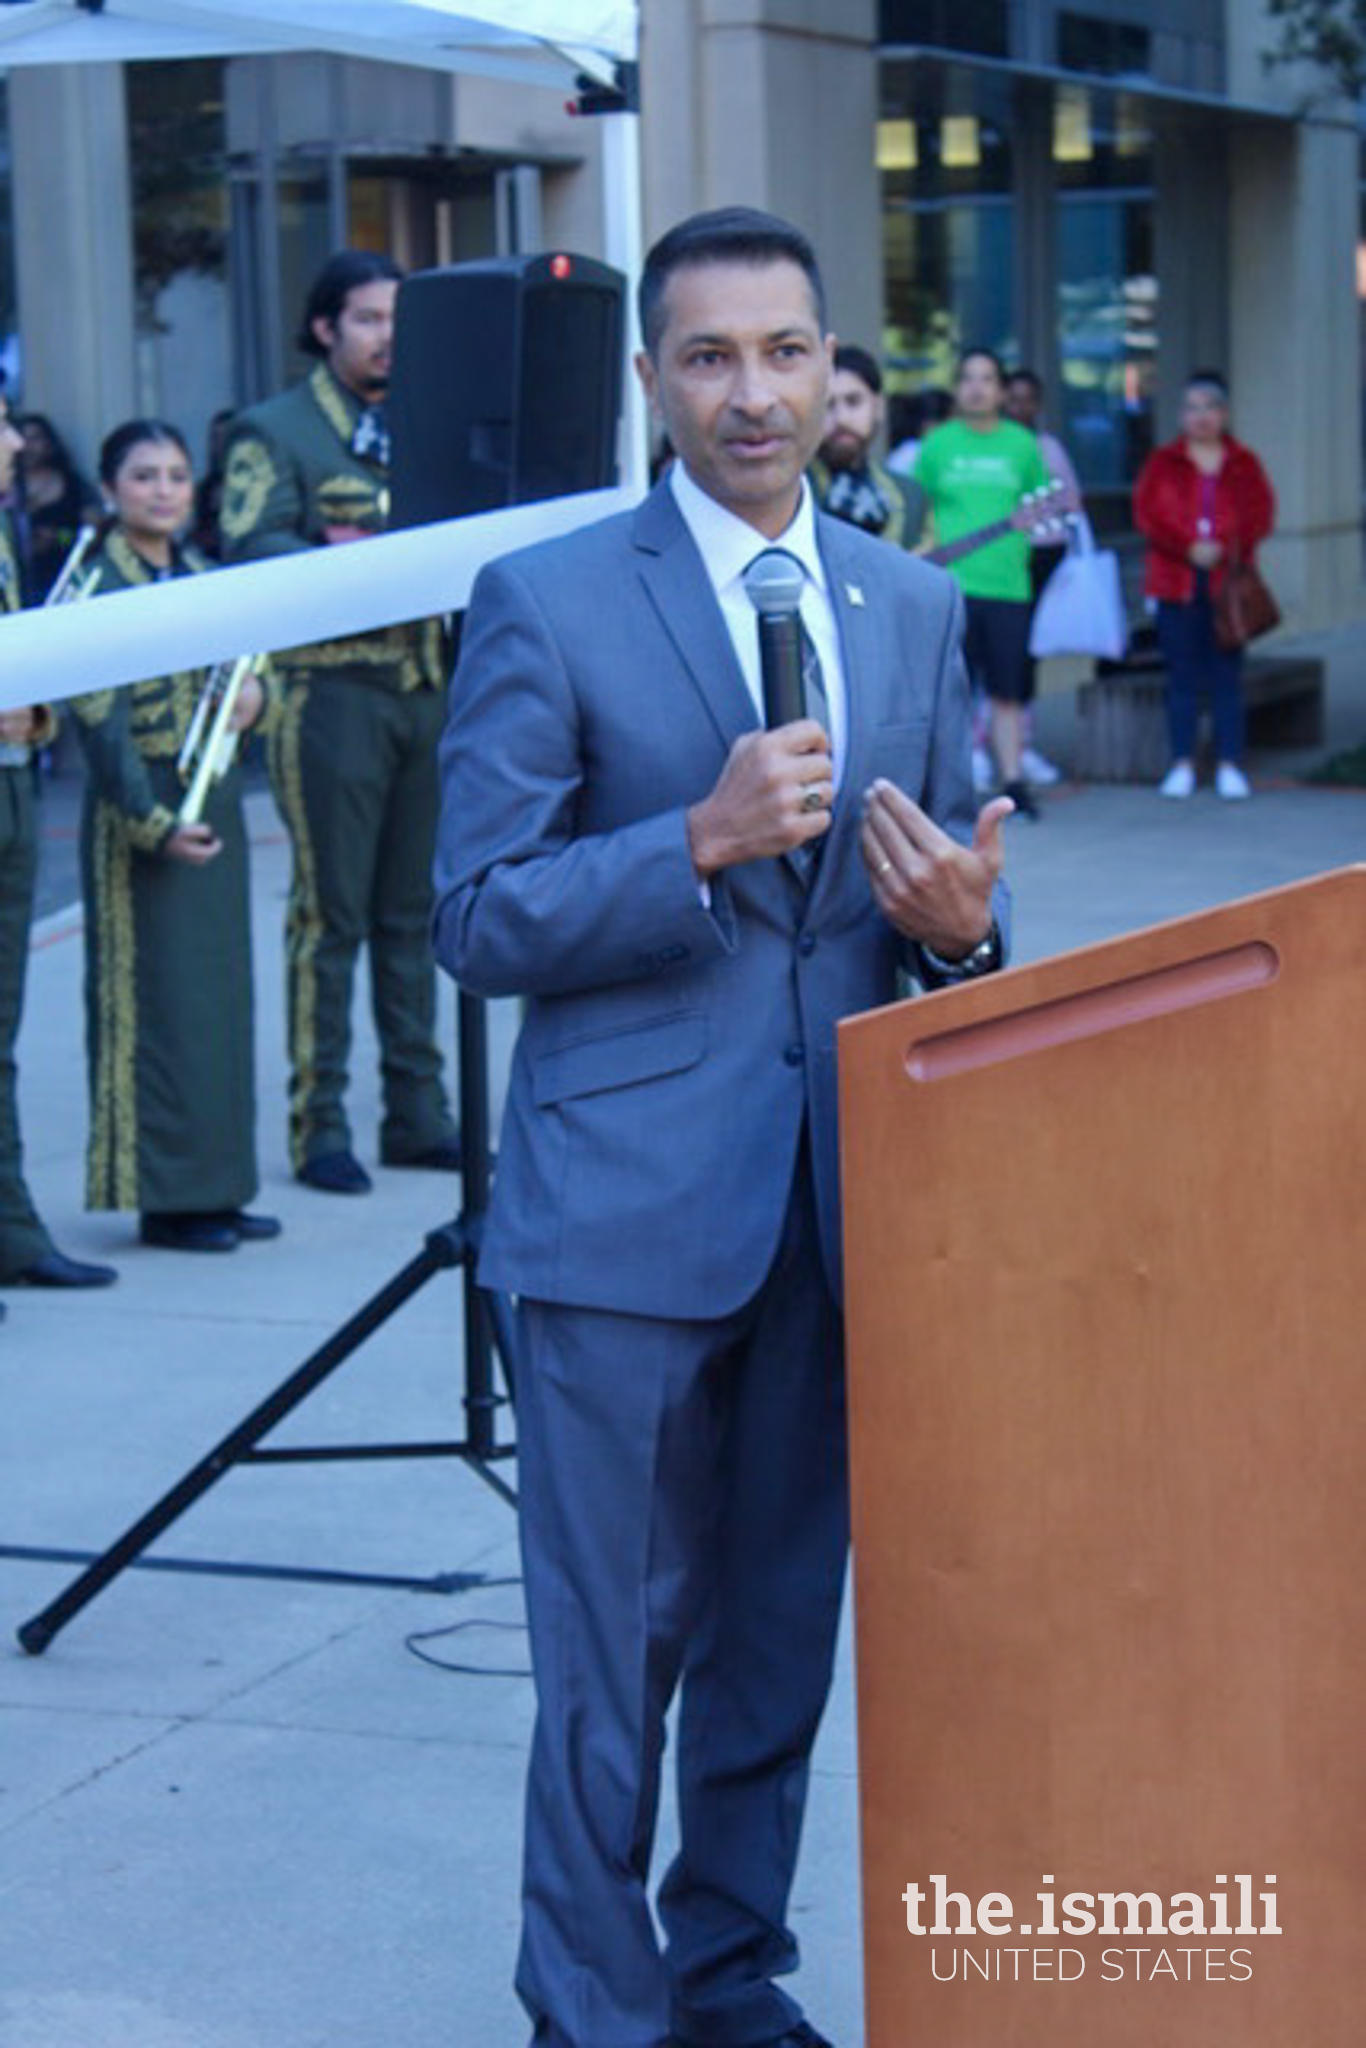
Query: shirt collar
pixel 728 544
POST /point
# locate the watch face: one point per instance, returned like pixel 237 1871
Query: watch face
pixel 988 954
pixel 985 955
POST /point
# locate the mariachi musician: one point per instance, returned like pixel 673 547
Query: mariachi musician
pixel 168 945
pixel 28 1256
pixel 353 756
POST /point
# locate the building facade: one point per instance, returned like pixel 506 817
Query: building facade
pixel 1112 191
pixel 162 221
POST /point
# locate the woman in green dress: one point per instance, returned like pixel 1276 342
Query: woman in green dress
pixel 167 935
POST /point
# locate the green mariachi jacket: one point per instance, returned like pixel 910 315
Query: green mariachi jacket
pixel 291 477
pixel 906 501
pixel 132 736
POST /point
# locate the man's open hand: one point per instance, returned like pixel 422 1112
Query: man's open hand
pixel 774 793
pixel 931 888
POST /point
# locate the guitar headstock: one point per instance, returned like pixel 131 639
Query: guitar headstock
pixel 1043 512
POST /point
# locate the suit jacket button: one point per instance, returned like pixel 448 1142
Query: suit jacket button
pixel 794 1055
pixel 806 945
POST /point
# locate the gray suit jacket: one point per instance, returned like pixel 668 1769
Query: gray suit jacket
pixel 670 1050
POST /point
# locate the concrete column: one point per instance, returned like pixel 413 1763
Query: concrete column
pixel 771 103
pixel 1294 353
pixel 73 221
pixel 1191 180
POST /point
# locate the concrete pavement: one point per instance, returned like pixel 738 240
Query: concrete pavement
pixel 240 1812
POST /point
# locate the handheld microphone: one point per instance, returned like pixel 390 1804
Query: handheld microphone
pixel 773 582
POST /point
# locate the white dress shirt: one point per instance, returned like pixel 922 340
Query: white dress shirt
pixel 727 545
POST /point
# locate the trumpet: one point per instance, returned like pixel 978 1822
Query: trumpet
pixel 73 580
pixel 210 746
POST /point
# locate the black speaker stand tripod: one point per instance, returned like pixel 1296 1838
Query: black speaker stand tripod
pixel 490 1335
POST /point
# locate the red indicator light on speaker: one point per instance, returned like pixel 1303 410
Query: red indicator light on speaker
pixel 561 266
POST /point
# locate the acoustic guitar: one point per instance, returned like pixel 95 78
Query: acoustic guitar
pixel 1037 512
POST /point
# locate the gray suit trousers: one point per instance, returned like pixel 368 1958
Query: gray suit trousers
pixel 704 1462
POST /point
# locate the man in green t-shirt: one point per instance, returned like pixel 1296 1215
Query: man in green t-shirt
pixel 974 470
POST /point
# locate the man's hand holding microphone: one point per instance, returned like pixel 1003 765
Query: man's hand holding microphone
pixel 776 792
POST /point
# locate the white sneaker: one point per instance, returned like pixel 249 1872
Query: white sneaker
pixel 1038 769
pixel 983 771
pixel 1179 780
pixel 1230 783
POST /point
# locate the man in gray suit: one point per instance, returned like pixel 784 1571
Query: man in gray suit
pixel 689 903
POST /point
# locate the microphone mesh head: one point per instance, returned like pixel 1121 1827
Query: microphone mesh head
pixel 773 582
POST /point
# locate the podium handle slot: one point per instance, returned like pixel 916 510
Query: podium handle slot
pixel 1094 1011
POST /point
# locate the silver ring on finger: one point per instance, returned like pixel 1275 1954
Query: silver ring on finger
pixel 884 867
pixel 812 800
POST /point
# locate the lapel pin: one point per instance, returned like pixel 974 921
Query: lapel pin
pixel 854 594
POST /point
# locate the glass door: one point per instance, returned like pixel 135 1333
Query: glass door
pixel 1107 285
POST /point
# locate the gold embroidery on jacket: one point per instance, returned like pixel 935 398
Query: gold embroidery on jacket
pixel 247 484
pixel 303 919
pixel 112 1178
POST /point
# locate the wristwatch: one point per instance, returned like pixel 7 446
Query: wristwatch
pixel 984 958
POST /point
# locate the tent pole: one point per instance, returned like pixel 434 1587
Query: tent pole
pixel 622 248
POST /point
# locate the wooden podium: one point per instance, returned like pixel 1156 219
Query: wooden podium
pixel 1106 1280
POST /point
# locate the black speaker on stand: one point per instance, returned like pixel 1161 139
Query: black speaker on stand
pixel 506 389
pixel 506 385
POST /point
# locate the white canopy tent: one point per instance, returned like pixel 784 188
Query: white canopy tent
pixel 161 627
pixel 537 41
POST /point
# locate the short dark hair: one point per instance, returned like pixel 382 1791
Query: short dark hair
pixel 341 275
pixel 849 356
pixel 731 234
pixel 988 355
pixel 1212 380
pixel 118 446
pixel 1029 377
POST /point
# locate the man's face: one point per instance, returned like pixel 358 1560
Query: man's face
pixel 1022 402
pixel 11 447
pixel 978 392
pixel 853 415
pixel 738 381
pixel 360 341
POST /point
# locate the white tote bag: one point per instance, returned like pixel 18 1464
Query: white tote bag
pixel 1081 607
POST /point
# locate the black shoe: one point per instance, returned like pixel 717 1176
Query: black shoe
pixel 55 1269
pixel 251 1229
pixel 174 1231
pixel 335 1173
pixel 1022 796
pixel 443 1157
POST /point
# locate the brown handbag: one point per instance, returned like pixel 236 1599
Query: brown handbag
pixel 1244 607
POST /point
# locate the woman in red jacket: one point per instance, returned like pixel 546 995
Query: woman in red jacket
pixel 1199 500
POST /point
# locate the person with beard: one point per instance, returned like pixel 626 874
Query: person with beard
pixel 28 1257
pixel 353 759
pixel 848 482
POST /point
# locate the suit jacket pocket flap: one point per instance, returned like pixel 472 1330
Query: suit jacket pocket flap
pixel 637 1052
